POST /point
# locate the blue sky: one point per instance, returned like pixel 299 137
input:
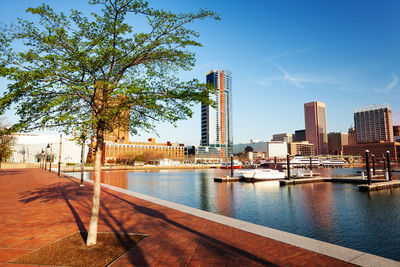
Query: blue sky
pixel 283 54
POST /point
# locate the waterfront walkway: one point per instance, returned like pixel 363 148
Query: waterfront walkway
pixel 37 208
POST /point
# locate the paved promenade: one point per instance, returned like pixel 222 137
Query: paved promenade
pixel 37 207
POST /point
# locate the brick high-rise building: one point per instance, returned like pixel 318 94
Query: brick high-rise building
pixel 373 124
pixel 352 136
pixel 336 141
pixel 315 122
pixel 216 124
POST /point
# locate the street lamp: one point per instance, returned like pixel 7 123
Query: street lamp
pixel 47 156
pixel 51 154
pixel 41 159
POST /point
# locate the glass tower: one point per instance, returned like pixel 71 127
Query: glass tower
pixel 216 123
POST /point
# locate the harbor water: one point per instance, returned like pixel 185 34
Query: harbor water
pixel 332 212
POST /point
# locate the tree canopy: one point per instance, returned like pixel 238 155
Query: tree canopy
pixel 75 71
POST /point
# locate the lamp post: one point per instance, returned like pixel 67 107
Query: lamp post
pixel 51 150
pixel 83 139
pixel 45 158
pixel 231 165
pixel 41 159
pixel 367 166
pixel 288 166
pixel 59 156
pixel 373 164
pixel 388 165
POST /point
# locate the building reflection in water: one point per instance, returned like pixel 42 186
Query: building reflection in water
pixel 204 192
pixel 118 179
pixel 225 199
pixel 317 202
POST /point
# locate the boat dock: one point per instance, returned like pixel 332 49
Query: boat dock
pixel 227 179
pixel 379 186
pixel 378 182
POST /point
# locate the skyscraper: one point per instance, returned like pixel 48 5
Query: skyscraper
pixel 216 124
pixel 373 124
pixel 315 122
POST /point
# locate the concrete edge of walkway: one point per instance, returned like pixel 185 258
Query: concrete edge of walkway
pixel 341 253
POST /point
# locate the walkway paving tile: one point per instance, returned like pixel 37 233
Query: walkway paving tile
pixel 38 207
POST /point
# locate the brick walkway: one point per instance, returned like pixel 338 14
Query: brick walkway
pixel 37 207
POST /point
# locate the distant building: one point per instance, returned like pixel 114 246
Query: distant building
pixel 373 124
pixel 208 154
pixel 352 136
pixel 299 136
pixel 28 147
pixel 378 149
pixel 216 124
pixel 260 146
pixel 315 122
pixel 277 149
pixel 115 151
pixel 283 137
pixel 303 148
pixel 336 141
pixel 396 133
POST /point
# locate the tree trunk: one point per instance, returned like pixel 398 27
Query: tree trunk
pixel 92 233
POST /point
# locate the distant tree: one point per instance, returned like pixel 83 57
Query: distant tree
pixel 6 143
pixel 74 72
pixel 248 149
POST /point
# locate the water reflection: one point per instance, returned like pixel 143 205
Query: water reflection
pixel 118 179
pixel 204 193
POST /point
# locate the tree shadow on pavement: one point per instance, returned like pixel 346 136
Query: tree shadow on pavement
pixel 203 239
pixel 78 201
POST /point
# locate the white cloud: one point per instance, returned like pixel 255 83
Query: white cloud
pixel 298 51
pixel 390 85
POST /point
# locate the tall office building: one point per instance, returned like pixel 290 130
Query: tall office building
pixel 216 123
pixel 374 124
pixel 315 122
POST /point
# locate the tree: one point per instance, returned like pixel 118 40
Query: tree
pixel 76 72
pixel 6 143
pixel 248 149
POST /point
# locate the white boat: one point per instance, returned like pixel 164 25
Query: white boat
pixel 227 165
pixel 263 174
pixel 333 163
pixel 304 161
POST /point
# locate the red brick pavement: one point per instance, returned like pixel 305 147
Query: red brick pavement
pixel 37 207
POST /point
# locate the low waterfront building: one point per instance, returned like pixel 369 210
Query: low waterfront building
pixel 127 151
pixel 303 148
pixel 378 149
pixel 277 149
pixel 28 147
pixel 208 154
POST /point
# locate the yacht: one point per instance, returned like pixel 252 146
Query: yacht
pixel 264 172
pixel 304 161
pixel 333 163
pixel 236 164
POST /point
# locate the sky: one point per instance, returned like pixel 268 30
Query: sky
pixel 282 54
